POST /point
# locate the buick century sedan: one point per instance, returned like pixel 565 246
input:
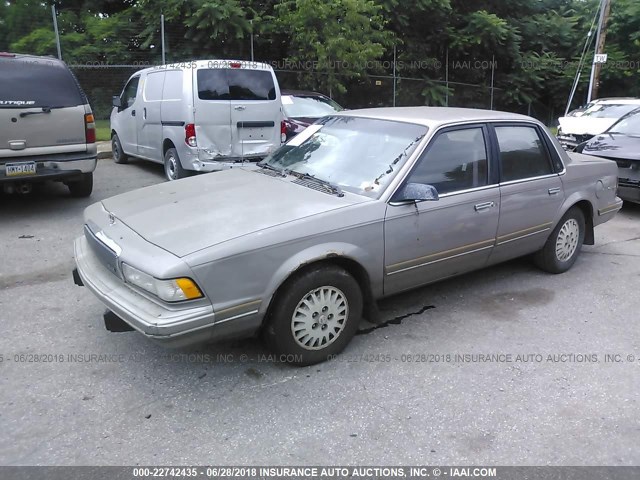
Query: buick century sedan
pixel 361 205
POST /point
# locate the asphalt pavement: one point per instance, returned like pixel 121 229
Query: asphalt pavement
pixel 505 366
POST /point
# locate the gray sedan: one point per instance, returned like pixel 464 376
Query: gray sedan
pixel 362 205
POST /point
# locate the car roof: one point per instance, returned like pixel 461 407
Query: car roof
pixel 435 116
pixel 620 101
pixel 32 58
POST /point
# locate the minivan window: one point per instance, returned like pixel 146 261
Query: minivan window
pixel 522 153
pixel 38 84
pixel 153 86
pixel 218 84
pixel 456 160
pixel 129 93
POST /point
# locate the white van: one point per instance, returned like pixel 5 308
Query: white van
pixel 200 116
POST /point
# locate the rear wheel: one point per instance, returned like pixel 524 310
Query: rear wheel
pixel 563 246
pixel 116 149
pixel 82 187
pixel 315 315
pixel 172 167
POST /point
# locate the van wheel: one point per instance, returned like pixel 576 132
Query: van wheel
pixel 82 187
pixel 116 149
pixel 563 246
pixel 314 315
pixel 172 167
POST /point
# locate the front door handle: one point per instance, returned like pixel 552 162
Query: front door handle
pixel 240 108
pixel 133 113
pixel 554 191
pixel 484 206
pixel 144 113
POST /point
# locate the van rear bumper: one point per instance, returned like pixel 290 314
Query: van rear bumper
pixel 227 163
pixel 50 168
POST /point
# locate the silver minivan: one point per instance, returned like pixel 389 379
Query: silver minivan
pixel 199 116
pixel 47 129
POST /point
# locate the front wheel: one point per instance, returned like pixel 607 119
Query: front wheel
pixel 116 149
pixel 563 246
pixel 315 315
pixel 173 169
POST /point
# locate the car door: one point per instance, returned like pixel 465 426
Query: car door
pixel 127 126
pixel 212 113
pixel 530 188
pixel 148 121
pixel 255 112
pixel 431 240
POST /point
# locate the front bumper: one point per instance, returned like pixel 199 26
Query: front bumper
pixel 570 142
pixel 51 168
pixel 171 326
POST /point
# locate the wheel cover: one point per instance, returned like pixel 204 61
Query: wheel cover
pixel 172 167
pixel 320 318
pixel 567 240
pixel 116 150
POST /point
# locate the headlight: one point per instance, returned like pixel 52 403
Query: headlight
pixel 174 290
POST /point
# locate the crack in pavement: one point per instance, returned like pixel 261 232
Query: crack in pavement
pixel 395 320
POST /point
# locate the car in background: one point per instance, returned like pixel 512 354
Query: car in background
pixel 621 143
pixel 598 117
pixel 302 108
pixel 361 205
pixel 199 116
pixel 47 129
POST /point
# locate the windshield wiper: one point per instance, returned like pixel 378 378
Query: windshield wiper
pixel 44 110
pixel 282 171
pixel 397 159
pixel 332 187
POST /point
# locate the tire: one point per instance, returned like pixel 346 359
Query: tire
pixel 116 149
pixel 173 169
pixel 563 246
pixel 300 341
pixel 83 187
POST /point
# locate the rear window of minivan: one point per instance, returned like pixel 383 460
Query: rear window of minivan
pixel 37 83
pixel 220 84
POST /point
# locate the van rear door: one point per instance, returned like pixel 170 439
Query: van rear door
pixel 42 108
pixel 212 113
pixel 255 112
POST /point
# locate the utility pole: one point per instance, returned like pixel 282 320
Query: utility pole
pixel 594 83
pixel 162 39
pixel 55 29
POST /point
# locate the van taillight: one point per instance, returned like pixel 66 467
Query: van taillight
pixel 190 134
pixel 89 128
pixel 283 132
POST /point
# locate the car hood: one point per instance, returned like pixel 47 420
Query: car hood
pixel 614 145
pixel 585 125
pixel 188 215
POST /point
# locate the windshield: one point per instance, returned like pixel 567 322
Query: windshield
pixel 628 126
pixel 360 155
pixel 600 110
pixel 309 106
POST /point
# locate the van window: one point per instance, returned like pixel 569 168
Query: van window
pixel 217 84
pixel 38 84
pixel 153 86
pixel 129 93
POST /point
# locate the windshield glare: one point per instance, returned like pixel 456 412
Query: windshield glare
pixel 628 126
pixel 360 155
pixel 308 106
pixel 600 110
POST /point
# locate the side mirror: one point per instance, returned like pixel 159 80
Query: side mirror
pixel 116 101
pixel 416 192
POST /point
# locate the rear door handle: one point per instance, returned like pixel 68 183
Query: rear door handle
pixel 484 206
pixel 144 113
pixel 554 191
pixel 133 113
pixel 240 108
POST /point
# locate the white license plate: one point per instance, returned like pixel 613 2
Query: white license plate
pixel 17 169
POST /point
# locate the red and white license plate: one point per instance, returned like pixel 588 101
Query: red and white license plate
pixel 18 169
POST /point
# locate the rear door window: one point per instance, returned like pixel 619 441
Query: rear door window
pixel 523 154
pixel 218 84
pixel 27 84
